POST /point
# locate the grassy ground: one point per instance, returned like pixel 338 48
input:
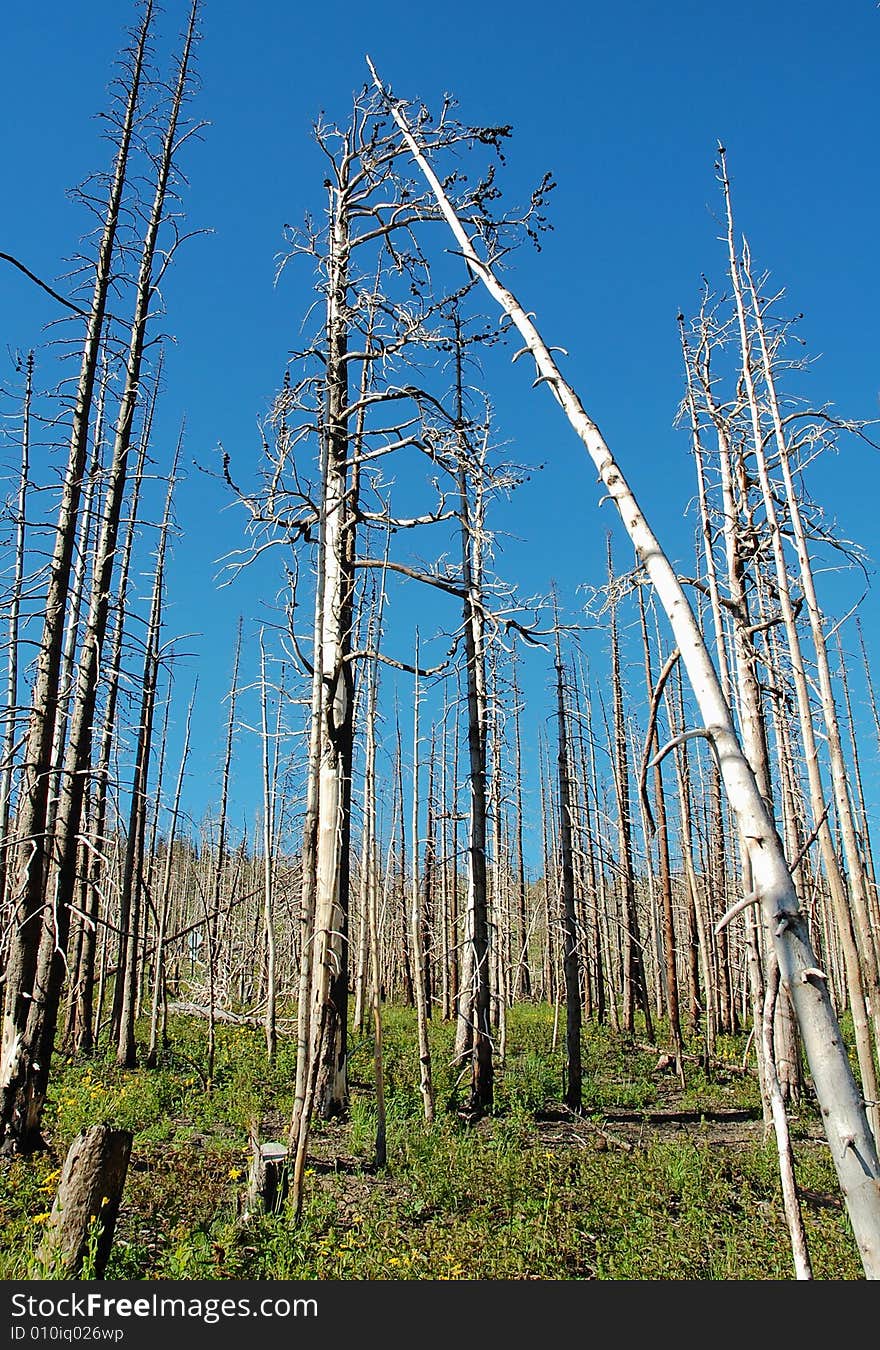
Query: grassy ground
pixel 649 1183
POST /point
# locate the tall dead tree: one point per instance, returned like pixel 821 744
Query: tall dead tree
pixel 570 936
pixel 417 926
pixel 79 1032
pixel 130 969
pixel 364 251
pixel 475 1003
pixel 523 980
pixel 635 984
pixel 10 711
pixel 670 982
pixel 29 866
pixel 165 896
pixel 29 1012
pixel 269 759
pixel 845 1120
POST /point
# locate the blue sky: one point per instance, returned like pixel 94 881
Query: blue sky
pixel 624 104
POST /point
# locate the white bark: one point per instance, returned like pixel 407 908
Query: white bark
pixel 426 1087
pixel 843 1112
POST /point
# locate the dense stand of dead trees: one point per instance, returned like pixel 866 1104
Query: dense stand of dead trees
pixel 642 908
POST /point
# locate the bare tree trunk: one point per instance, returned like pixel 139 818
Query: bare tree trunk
pixel 849 1134
pixel 165 896
pixel 79 1030
pixel 523 986
pixel 790 1201
pixel 51 961
pixel 67 679
pixel 867 950
pixel 408 986
pixel 548 987
pixel 269 788
pixel 10 713
pixel 670 982
pixel 859 793
pixel 299 1124
pixel 213 896
pixel 591 848
pixel 570 959
pixel 426 1087
pixel 866 939
pixel 369 887
pixel 635 986
pixel 476 993
pixel 79 1235
pixel 132 880
pixel 702 956
pixel 21 1106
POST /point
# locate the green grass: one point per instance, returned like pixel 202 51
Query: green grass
pixel 514 1197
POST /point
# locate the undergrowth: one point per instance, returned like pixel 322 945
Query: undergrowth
pixel 529 1192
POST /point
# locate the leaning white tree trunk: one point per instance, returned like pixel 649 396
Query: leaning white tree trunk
pixel 843 1111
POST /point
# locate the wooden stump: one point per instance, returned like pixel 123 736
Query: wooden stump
pixel 267 1178
pixel 79 1232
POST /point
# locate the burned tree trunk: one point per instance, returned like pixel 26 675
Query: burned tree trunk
pixel 10 711
pixel 129 975
pixel 635 984
pixel 426 1086
pixel 849 1134
pixel 21 1104
pixel 570 959
pixel 79 1234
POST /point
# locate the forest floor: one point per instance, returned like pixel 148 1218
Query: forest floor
pixel 652 1180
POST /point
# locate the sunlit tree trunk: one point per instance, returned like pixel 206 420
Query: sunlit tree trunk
pixel 416 929
pixel 635 987
pixel 523 984
pixel 269 758
pixel 570 958
pixel 79 1029
pixel 212 896
pixel 165 898
pixel 848 1131
pixel 475 1005
pixel 128 977
pixel 10 712
pixel 670 983
pixel 867 940
pixel 21 1104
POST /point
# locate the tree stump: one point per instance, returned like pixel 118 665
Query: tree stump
pixel 79 1233
pixel 267 1178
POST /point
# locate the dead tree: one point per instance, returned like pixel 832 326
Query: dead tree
pixel 635 984
pixel 474 1017
pixel 849 1134
pixel 79 1030
pixel 38 955
pixel 78 1237
pixel 211 895
pixel 270 782
pixel 523 982
pixel 670 982
pixel 570 936
pixel 129 973
pixel 10 711
pixel 21 1106
pixel 165 897
pixel 417 933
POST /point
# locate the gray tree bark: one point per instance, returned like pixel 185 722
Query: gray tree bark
pixel 849 1135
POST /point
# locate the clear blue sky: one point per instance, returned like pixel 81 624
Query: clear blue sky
pixel 625 104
